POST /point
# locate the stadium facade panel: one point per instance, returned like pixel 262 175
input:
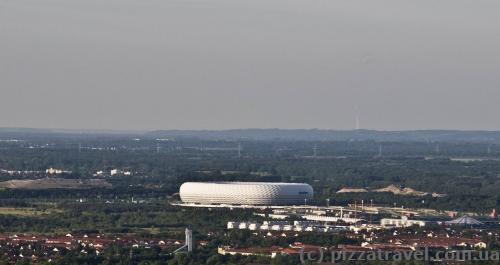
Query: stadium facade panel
pixel 246 193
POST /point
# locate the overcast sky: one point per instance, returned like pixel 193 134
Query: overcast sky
pixel 217 64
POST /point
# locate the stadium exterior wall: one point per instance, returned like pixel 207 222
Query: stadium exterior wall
pixel 245 193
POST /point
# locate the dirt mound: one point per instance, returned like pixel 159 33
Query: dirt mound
pixel 398 191
pixel 394 190
pixel 352 190
pixel 54 183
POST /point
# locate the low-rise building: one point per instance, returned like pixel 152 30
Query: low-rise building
pixel 402 222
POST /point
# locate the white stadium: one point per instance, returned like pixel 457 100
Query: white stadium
pixel 246 193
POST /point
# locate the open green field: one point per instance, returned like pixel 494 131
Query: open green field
pixel 26 212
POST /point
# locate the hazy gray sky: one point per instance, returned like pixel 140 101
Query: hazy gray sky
pixel 215 64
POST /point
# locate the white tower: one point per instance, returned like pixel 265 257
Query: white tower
pixel 357 117
pixel 188 244
pixel 189 240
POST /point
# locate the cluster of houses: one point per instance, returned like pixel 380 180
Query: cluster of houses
pixel 404 243
pixel 56 171
pixel 293 249
pixel 37 247
pixel 112 173
pixel 391 234
pixel 94 241
pixel 48 171
pixel 321 225
pixel 297 226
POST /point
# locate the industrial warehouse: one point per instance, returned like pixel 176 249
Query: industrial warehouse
pixel 246 193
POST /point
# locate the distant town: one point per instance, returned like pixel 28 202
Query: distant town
pixel 129 198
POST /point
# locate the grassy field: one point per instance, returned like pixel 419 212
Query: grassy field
pixel 26 211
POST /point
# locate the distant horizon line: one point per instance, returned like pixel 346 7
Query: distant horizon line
pixel 82 130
